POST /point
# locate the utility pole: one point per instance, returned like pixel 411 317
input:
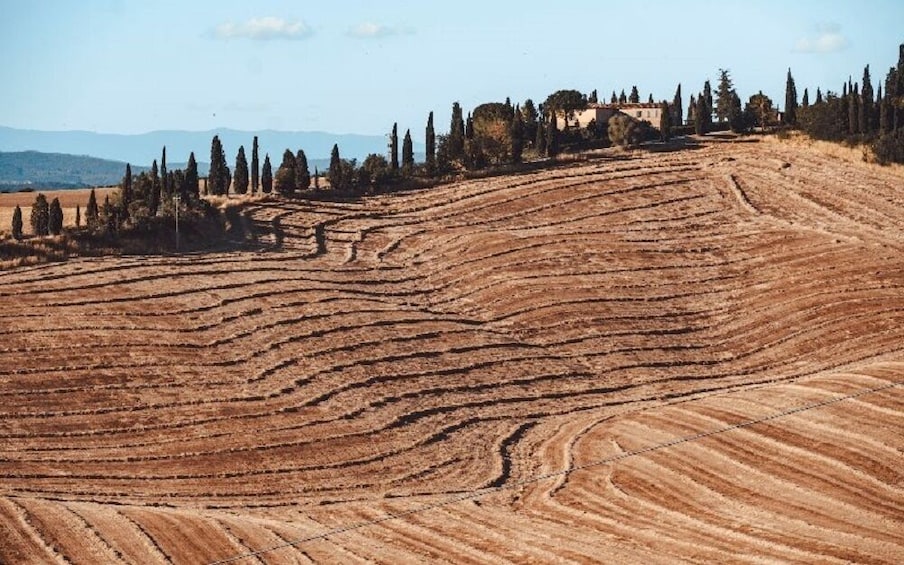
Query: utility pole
pixel 176 200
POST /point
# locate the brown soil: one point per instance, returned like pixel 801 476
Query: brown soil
pixel 687 356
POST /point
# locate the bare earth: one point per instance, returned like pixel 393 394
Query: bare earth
pixel 690 356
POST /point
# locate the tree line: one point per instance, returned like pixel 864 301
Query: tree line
pixel 859 114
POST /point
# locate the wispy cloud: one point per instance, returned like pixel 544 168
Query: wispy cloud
pixel 267 28
pixel 828 39
pixel 371 30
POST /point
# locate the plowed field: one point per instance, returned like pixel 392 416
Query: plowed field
pixel 654 357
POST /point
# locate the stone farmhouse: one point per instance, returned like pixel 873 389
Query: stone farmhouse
pixel 601 113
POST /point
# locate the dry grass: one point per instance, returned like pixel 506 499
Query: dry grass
pixel 711 341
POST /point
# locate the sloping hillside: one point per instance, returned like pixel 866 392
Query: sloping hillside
pixel 57 170
pixel 691 356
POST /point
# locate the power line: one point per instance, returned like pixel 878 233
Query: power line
pixel 477 493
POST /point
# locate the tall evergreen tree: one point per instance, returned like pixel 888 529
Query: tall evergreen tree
pixel 55 217
pixel 854 111
pixel 708 99
pixel 284 183
pixel 164 178
pixel 92 212
pixel 592 99
pixel 154 200
pixel 40 216
pixel 456 134
pixel 109 215
pixel 552 136
pixel 678 107
pixel 218 177
pixel 334 175
pixel 192 182
pixel 818 96
pixel 634 98
pixel 302 171
pixel 469 127
pixel 692 110
pixel 700 113
pixel 866 104
pixel 316 179
pixel 78 216
pixel 665 121
pixel 790 100
pixel 622 98
pixel 805 100
pixel 531 118
pixel 430 146
pixel 394 147
pixel 736 114
pixel 723 97
pixel 255 167
pixel 125 192
pixel 240 180
pixel 613 99
pixel 516 133
pixel 266 175
pixel 407 153
pixel 540 141
pixel 17 223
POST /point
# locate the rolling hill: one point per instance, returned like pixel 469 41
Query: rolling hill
pixel 693 356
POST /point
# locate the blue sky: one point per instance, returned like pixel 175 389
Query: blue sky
pixel 357 66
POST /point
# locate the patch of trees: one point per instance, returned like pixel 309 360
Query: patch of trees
pixel 859 114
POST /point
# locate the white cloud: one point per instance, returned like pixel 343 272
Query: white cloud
pixel 370 30
pixel 264 29
pixel 828 39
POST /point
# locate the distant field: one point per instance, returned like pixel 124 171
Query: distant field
pixel 650 358
pixel 69 199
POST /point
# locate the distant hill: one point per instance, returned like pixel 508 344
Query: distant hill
pixel 56 170
pixel 142 149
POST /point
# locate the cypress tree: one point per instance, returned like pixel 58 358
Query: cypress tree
pixel 284 183
pixel 316 179
pixel 634 98
pixel 866 104
pixel 218 177
pixel 885 113
pixel 17 222
pixel 394 147
pixel 650 99
pixel 109 215
pixel 78 216
pixel 469 127
pixel 613 99
pixel 700 115
pixel 708 99
pixel 266 175
pixel 407 153
pixel 818 96
pixel 302 172
pixel 723 98
pixel 736 114
pixel 805 101
pixel 516 132
pixel 456 134
pixel 40 216
pixel 125 191
pixel 154 201
pixel 854 111
pixel 334 175
pixel 240 181
pixel 430 143
pixel 55 217
pixel 665 122
pixel 592 99
pixel 552 136
pixel 790 100
pixel 192 182
pixel 92 213
pixel 255 167
pixel 678 107
pixel 540 141
pixel 164 177
pixel 691 110
pixel 622 98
